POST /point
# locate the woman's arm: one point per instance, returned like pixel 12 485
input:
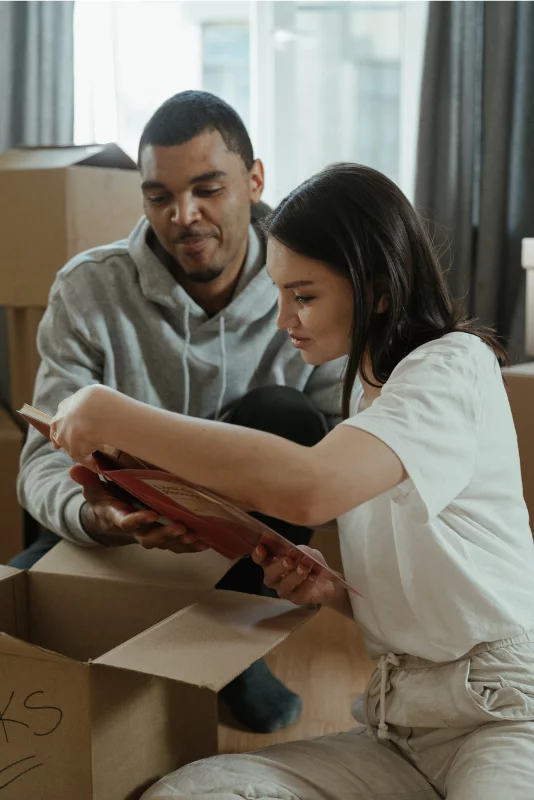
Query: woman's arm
pixel 303 485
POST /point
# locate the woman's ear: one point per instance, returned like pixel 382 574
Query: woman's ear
pixel 383 303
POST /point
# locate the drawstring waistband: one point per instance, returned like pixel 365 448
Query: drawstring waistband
pixel 382 674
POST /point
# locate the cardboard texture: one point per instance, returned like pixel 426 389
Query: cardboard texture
pixel 11 525
pixel 527 260
pixel 520 387
pixel 110 665
pixel 75 197
pixel 23 357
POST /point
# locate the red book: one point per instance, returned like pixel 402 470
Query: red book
pixel 216 521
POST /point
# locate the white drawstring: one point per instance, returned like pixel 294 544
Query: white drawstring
pixel 222 391
pixel 384 666
pixel 185 365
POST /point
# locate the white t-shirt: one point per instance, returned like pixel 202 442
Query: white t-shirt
pixel 445 560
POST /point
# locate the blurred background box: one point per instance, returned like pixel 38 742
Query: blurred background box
pixel 11 519
pixel 55 202
pixel 520 387
pixel 527 260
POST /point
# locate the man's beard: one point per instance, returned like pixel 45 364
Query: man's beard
pixel 206 276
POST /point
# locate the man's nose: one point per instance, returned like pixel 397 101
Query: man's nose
pixel 185 212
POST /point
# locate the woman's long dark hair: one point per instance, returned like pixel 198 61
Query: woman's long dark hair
pixel 358 222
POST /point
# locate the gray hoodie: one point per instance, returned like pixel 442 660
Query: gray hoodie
pixel 116 316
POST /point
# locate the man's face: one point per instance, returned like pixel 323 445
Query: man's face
pixel 197 199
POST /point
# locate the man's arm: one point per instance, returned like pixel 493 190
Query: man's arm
pixel 68 363
pixel 84 514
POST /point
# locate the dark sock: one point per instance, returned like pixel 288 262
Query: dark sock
pixel 259 701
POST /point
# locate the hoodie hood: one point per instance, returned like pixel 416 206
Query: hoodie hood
pixel 254 297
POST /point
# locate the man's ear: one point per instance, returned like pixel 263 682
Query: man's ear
pixel 257 181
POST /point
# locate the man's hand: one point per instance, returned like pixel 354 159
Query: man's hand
pixel 113 523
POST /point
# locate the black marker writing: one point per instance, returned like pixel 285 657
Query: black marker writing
pixel 24 772
pixel 4 719
pixel 58 711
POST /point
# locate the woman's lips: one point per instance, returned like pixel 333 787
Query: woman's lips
pixel 298 341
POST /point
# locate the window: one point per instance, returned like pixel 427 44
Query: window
pixel 226 64
pixel 342 80
pixel 314 82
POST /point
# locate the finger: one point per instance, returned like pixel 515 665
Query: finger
pixel 163 535
pixel 85 477
pixel 293 581
pixel 276 571
pixel 135 521
pixel 259 555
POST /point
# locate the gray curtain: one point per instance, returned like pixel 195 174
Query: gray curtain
pixel 36 89
pixel 475 171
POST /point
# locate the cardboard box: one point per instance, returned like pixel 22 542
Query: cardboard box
pixel 11 523
pixel 23 357
pixel 520 387
pixel 527 260
pixel 56 202
pixel 110 666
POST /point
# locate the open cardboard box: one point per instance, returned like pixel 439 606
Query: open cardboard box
pixel 110 664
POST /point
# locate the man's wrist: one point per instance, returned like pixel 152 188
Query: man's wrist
pixel 92 528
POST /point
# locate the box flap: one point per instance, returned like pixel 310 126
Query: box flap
pixel 212 641
pixel 13 602
pixel 7 572
pixel 10 646
pixel 527 253
pixel 195 571
pixel 95 155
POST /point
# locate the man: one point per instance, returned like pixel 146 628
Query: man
pixel 181 315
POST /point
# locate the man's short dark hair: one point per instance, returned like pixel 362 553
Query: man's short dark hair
pixel 190 113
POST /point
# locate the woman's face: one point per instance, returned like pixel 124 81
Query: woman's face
pixel 315 304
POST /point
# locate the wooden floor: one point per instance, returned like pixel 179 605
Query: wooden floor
pixel 324 662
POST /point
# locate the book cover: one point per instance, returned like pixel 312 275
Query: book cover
pixel 216 521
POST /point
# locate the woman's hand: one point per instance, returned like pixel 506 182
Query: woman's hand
pixel 293 578
pixel 81 421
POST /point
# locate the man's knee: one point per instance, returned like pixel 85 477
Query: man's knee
pixel 35 552
pixel 281 410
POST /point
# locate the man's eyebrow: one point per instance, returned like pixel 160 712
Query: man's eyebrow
pixel 209 176
pixel 146 185
pixel 297 284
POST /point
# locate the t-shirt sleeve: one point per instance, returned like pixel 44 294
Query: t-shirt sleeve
pixel 428 414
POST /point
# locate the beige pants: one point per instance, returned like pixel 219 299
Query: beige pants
pixel 463 730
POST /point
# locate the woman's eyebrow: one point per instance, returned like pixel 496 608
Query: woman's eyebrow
pixel 297 284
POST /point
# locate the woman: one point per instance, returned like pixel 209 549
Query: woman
pixel 424 478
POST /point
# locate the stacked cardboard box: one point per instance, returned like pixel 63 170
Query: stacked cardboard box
pixel 11 529
pixel 55 202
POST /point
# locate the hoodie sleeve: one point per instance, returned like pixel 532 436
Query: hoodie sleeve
pixel 324 388
pixel 68 362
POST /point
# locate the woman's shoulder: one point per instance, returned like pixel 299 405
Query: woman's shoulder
pixel 459 352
